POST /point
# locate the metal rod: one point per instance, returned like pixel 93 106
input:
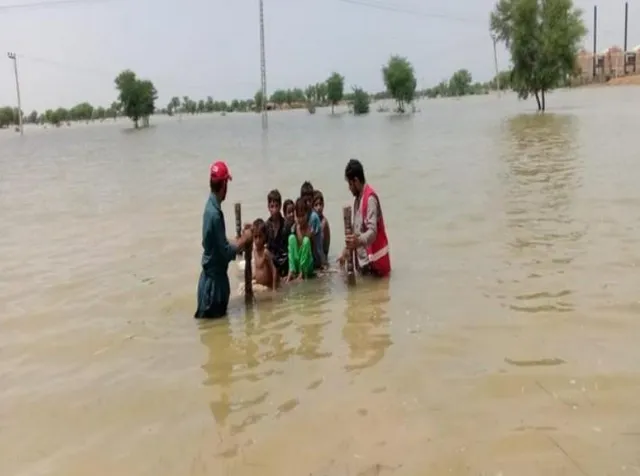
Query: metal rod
pixel 248 278
pixel 348 230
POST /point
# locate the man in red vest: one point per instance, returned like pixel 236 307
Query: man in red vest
pixel 369 238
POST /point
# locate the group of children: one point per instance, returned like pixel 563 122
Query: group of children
pixel 293 243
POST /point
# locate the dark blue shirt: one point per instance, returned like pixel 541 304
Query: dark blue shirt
pixel 217 251
pixel 278 243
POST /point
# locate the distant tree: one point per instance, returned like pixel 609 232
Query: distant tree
pixel 137 97
pixel 221 106
pixel 335 89
pixel 115 109
pixel 208 105
pixel 279 97
pixel 6 116
pixel 310 94
pixel 59 116
pixel 100 113
pixel 33 117
pixel 360 102
pixel 81 112
pixel 543 38
pixel 48 116
pixel 173 106
pixel 111 112
pixel 400 81
pixel 321 93
pixel 258 100
pixel 201 106
pixel 17 115
pixel 503 78
pixel 460 83
pixel 296 95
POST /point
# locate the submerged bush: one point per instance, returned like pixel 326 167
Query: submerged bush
pixel 360 102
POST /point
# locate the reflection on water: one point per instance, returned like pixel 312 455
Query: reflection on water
pixel 366 324
pixel 542 157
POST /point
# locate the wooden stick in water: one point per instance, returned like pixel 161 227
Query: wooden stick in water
pixel 348 230
pixel 248 288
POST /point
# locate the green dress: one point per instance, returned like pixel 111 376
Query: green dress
pixel 300 257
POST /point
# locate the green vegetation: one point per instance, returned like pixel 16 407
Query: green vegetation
pixel 543 38
pixel 137 97
pixel 360 102
pixel 335 89
pixel 8 116
pixel 400 81
pixel 461 84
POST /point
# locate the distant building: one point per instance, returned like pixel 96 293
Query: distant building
pixel 610 63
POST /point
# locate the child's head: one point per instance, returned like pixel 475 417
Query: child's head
pixel 318 202
pixel 259 233
pixel 289 210
pixel 302 213
pixel 306 193
pixel 274 202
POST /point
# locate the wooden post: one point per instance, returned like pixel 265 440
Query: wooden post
pixel 248 288
pixel 348 230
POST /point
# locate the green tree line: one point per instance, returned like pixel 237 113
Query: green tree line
pixel 136 97
pixel 80 112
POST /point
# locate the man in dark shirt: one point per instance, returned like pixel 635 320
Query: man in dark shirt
pixel 278 233
pixel 214 289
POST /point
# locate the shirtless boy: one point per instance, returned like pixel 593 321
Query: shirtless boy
pixel 264 271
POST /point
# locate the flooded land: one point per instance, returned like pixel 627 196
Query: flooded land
pixel 504 343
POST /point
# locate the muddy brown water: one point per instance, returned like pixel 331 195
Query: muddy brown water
pixel 504 343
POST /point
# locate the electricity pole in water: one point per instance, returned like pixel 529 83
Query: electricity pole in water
pixel 12 56
pixel 263 68
pixel 495 60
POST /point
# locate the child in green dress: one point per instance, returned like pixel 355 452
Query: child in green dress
pixel 300 252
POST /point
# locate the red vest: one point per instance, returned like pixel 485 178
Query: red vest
pixel 378 251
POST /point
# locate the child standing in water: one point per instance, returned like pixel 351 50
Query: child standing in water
pixel 318 206
pixel 264 271
pixel 317 241
pixel 300 253
pixel 277 233
pixel 289 210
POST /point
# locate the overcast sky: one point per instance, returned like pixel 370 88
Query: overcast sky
pixel 71 53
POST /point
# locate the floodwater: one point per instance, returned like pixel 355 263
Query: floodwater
pixel 504 343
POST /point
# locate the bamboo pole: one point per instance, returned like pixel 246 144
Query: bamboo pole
pixel 348 230
pixel 248 288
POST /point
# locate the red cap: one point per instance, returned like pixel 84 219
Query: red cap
pixel 219 171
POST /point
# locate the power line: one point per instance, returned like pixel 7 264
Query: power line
pixel 410 11
pixel 47 4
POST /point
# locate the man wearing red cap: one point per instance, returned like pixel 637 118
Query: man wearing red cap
pixel 213 287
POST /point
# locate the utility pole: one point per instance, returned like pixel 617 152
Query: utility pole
pixel 495 60
pixel 595 38
pixel 12 56
pixel 263 69
pixel 626 27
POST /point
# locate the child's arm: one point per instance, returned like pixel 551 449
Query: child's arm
pixel 272 270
